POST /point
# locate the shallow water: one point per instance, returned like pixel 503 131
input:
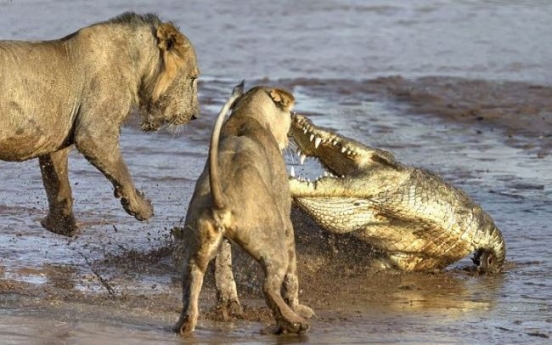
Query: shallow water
pixel 506 39
pixel 301 41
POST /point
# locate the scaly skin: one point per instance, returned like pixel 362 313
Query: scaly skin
pixel 418 220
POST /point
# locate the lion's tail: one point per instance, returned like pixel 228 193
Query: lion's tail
pixel 214 180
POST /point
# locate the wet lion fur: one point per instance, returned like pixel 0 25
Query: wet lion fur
pixel 79 89
pixel 243 196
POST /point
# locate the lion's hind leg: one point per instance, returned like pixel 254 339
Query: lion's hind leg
pixel 287 320
pixel 55 177
pixel 201 248
pixel 291 281
pixel 228 304
pixel 273 256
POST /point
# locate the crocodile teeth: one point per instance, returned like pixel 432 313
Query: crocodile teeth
pixel 305 130
pixel 302 158
pixel 334 142
pixel 312 137
pixel 343 149
pixel 317 142
pixel 292 172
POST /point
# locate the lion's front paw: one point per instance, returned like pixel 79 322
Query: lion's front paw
pixel 141 208
pixel 61 225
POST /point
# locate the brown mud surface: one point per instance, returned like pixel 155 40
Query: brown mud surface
pixel 336 279
pixel 336 275
pixel 517 108
pixel 461 88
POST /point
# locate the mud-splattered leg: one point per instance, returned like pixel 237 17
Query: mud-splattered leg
pixel 201 251
pixel 275 262
pixel 228 304
pixel 55 177
pixel 287 320
pixel 291 281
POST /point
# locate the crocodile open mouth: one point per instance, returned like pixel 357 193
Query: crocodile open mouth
pixel 335 152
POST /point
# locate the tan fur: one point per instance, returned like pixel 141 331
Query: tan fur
pixel 79 89
pixel 214 182
pixel 173 46
pixel 253 212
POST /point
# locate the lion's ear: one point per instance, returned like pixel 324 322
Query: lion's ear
pixel 169 37
pixel 282 98
pixel 175 51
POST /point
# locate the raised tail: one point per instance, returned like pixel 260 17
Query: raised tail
pixel 216 189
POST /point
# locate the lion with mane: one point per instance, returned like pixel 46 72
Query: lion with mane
pixel 78 90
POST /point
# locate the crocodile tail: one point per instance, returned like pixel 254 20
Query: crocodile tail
pixel 498 248
pixel 490 258
pixel 214 180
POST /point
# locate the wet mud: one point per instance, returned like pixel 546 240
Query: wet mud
pixel 459 88
pixel 102 279
pixel 517 108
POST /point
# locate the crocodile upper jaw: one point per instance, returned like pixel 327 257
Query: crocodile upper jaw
pixel 342 157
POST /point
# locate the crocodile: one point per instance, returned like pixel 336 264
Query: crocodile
pixel 416 219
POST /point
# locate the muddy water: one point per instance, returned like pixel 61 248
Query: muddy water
pixel 114 283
